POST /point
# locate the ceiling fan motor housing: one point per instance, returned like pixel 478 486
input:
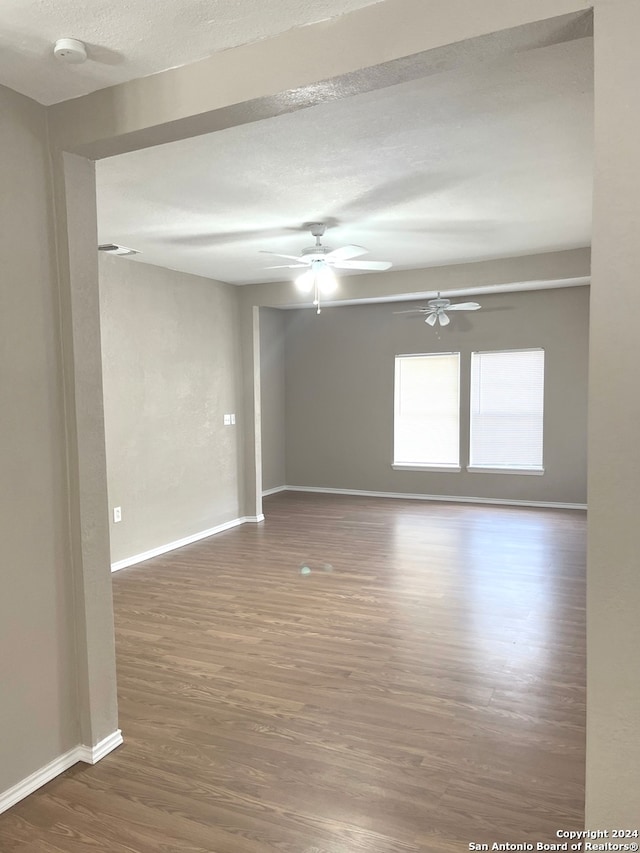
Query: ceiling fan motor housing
pixel 315 252
pixel 439 303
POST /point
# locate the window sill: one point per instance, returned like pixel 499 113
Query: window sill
pixel 408 466
pixel 481 469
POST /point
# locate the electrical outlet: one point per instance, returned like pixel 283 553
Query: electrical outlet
pixel 227 420
pixel 117 514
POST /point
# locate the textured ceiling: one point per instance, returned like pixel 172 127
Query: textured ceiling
pixel 133 38
pixel 490 162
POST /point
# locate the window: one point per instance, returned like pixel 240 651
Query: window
pixel 507 406
pixel 427 411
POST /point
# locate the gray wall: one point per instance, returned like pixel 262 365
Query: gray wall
pixel 171 370
pixel 339 403
pixel 38 708
pixel 613 576
pixel 272 397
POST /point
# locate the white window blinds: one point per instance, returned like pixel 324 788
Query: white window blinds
pixel 507 410
pixel 427 410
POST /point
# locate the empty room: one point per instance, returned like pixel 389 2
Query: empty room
pixel 319 341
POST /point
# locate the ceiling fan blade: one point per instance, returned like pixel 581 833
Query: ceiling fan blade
pixel 431 319
pixel 464 306
pixel 411 311
pixel 444 320
pixel 362 265
pixel 344 253
pixel 287 267
pixel 279 255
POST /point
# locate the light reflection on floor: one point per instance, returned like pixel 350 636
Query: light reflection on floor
pixel 493 581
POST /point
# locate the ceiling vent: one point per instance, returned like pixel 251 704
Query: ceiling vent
pixel 114 249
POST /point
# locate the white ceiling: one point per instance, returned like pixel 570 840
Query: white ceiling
pixel 127 39
pixel 490 162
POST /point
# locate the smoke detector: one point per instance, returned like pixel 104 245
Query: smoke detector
pixel 114 249
pixel 70 50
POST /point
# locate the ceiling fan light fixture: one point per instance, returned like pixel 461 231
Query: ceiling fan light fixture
pixel 444 320
pixel 327 281
pixel 430 319
pixel 305 282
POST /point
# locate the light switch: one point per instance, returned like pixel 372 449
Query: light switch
pixel 227 420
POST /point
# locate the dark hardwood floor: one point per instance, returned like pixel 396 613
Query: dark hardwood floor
pixel 421 688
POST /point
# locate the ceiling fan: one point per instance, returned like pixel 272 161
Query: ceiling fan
pixel 435 311
pixel 340 259
pixel 320 261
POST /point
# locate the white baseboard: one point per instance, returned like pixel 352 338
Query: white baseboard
pixel 38 779
pixel 54 768
pixel 275 491
pixel 187 540
pixel 93 754
pixel 447 498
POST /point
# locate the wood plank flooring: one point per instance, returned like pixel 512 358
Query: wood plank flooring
pixel 420 688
